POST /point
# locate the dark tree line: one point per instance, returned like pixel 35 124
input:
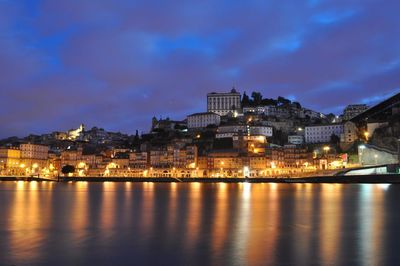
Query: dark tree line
pixel 257 100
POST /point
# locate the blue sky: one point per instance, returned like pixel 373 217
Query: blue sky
pixel 116 63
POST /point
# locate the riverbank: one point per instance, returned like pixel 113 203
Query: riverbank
pixel 367 179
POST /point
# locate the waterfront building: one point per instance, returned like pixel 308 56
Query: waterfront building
pixel 34 157
pixel 322 133
pixel 202 162
pixel 296 156
pixel 223 103
pixel 227 163
pixel 10 161
pixel 353 110
pixel 185 157
pixel 180 158
pixel 191 156
pixel 70 156
pixel 257 163
pixel 34 151
pixel 139 160
pixel 202 120
pixel 162 157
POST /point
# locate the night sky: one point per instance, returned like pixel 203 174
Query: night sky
pixel 116 64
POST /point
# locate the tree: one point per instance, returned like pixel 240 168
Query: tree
pixel 245 100
pixel 268 101
pixel 283 100
pixel 330 117
pixel 67 169
pixel 257 98
pixel 335 139
pixel 136 138
pixel 297 105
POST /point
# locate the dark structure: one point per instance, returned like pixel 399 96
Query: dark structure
pixel 381 111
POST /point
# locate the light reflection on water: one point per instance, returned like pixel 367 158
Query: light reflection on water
pixel 198 224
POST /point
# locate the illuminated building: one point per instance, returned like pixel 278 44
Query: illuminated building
pixel 223 103
pixel 10 161
pixel 34 156
pixel 202 120
pixel 139 160
pixel 322 133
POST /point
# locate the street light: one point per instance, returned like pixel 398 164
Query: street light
pixel 366 135
pixel 326 149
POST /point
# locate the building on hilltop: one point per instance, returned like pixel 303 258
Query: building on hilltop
pixel 223 103
pixel 202 120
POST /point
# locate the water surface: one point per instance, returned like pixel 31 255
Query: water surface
pixel 45 223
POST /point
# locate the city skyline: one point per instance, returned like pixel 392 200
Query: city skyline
pixel 109 64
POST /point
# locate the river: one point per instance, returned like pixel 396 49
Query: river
pixel 81 223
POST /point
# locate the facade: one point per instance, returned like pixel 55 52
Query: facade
pixel 162 157
pixel 223 103
pixel 322 133
pixel 34 151
pixel 230 130
pixel 353 110
pixel 139 160
pixel 260 131
pixel 10 161
pixel 34 157
pixel 202 120
pixel 276 111
pixel 258 110
pixel 350 132
pixel 185 157
pixel 295 139
pixel 295 156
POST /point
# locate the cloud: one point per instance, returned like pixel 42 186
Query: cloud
pixel 115 64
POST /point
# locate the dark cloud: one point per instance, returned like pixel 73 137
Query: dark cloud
pixel 115 64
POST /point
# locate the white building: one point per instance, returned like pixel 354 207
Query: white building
pixel 258 110
pixel 322 133
pixel 228 131
pixel 296 139
pixel 260 130
pixel 223 103
pixel 201 120
pixel 277 111
pixel 231 128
